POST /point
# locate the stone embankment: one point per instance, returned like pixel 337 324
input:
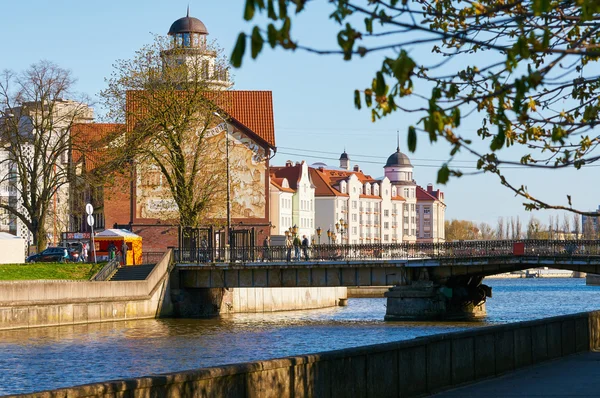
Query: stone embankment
pixel 27 304
pixel 409 368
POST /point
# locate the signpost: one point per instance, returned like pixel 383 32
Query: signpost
pixel 89 209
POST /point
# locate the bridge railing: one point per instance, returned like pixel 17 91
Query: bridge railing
pixel 393 251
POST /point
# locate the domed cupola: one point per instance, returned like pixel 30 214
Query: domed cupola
pixel 398 168
pixel 344 161
pixel 188 32
pixel 398 159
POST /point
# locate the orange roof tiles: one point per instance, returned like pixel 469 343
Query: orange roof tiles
pixel 252 109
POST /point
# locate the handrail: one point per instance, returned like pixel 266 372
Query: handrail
pixel 391 251
pixel 106 271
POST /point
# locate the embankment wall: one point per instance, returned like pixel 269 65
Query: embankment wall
pixel 27 304
pixel 408 368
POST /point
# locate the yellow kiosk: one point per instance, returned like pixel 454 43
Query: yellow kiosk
pixel 117 237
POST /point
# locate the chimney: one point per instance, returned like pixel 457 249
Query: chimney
pixel 430 188
pixel 288 163
pixel 356 168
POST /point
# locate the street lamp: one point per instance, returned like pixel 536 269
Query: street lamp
pixel 329 235
pixel 341 227
pixel 227 177
pixel 319 234
pixel 295 229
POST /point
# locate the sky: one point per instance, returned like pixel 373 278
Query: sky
pixel 315 118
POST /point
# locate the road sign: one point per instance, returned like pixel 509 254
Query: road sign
pixel 90 220
pixel 89 209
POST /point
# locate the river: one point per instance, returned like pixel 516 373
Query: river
pixel 47 358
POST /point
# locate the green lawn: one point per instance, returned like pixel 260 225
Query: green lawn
pixel 71 271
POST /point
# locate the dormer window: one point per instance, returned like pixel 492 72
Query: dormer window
pixel 343 186
pixel 376 190
pixel 367 189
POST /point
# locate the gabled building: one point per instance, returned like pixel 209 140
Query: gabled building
pixel 303 198
pixel 354 208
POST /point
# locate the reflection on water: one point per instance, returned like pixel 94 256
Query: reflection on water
pixel 45 358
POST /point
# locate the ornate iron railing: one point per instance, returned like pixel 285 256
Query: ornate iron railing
pixel 446 250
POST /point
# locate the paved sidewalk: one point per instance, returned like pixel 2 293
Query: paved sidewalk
pixel 574 376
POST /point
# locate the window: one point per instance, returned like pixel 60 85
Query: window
pixel 386 237
pixel 354 230
pixel 412 207
pixel 427 235
pixel 413 232
pixel 386 213
pixel 426 210
pixel 405 220
pixel 406 192
pixel 412 220
pixel 386 225
pixel 354 217
pixel 405 231
pixel 354 204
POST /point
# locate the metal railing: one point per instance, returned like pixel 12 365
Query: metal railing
pixel 392 251
pixel 106 271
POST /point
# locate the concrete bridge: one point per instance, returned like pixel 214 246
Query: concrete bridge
pixel 430 281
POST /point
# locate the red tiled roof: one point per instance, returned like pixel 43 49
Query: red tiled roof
pixel 252 109
pixel 291 173
pixel 278 183
pixel 424 195
pixel 398 198
pixel 322 184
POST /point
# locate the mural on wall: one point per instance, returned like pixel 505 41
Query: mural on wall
pixel 247 169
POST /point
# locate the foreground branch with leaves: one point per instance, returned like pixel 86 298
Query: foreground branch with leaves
pixel 525 70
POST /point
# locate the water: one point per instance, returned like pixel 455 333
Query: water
pixel 47 358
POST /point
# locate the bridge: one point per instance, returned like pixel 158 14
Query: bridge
pixel 430 281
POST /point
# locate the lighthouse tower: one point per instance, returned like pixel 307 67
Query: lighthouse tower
pixel 189 48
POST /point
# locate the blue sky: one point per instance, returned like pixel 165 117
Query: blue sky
pixel 315 118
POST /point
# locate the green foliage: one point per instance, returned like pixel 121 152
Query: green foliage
pixel 527 68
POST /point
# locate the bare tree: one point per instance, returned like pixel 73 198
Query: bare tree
pixel 576 225
pixel 534 228
pixel 550 227
pixel 566 227
pixel 513 230
pixel 589 231
pixel 38 141
pixel 500 228
pixel 518 228
pixel 486 231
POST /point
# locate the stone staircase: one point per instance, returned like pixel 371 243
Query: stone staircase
pixel 132 273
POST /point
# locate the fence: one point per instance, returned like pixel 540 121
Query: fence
pixel 335 252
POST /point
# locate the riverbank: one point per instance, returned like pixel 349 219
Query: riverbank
pixel 408 368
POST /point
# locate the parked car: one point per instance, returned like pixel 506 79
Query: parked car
pixel 51 255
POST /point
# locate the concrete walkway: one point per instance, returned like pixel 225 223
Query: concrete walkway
pixel 574 376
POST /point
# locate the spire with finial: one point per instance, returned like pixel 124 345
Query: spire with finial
pixel 398 138
pixel 188 11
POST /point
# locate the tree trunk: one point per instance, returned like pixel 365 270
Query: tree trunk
pixel 40 239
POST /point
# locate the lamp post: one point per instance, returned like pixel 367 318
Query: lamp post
pixel 319 234
pixel 295 229
pixel 329 235
pixel 227 237
pixel 341 227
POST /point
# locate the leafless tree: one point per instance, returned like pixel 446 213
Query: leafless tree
pixel 577 225
pixel 500 228
pixel 36 133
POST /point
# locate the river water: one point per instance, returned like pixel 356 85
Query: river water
pixel 48 358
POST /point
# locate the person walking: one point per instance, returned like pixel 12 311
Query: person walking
pixel 112 251
pixel 84 252
pixel 124 252
pixel 305 247
pixel 288 248
pixel 266 249
pixel 297 244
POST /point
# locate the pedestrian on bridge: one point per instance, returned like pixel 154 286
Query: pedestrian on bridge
pixel 305 247
pixel 267 249
pixel 297 244
pixel 288 248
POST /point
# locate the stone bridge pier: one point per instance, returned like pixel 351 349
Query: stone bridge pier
pixel 423 297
